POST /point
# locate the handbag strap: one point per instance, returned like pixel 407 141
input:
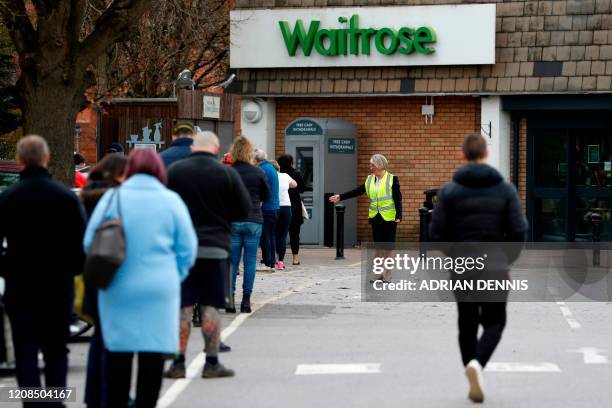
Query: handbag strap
pixel 110 200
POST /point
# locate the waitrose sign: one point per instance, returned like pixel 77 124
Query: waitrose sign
pixel 363 36
pixel 355 40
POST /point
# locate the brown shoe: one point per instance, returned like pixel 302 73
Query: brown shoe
pixel 176 370
pixel 216 371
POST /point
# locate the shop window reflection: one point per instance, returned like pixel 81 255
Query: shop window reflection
pixel 549 225
pixel 551 158
pixel 585 207
pixel 593 158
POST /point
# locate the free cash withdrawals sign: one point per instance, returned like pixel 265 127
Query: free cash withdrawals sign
pixel 340 146
pixel 363 36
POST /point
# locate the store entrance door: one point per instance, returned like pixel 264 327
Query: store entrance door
pixel 570 177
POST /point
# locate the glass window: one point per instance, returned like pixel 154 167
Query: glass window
pixel 549 220
pixel 550 154
pixel 593 158
pixel 304 165
pixel 585 207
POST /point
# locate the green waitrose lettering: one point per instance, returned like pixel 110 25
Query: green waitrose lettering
pixel 354 40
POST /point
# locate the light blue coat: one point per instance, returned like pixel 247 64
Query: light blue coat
pixel 139 311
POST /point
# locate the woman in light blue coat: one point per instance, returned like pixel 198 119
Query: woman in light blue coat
pixel 138 311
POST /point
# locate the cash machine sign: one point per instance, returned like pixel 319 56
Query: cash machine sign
pixel 304 128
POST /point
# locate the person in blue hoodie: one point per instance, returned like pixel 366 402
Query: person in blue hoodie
pixel 270 209
pixel 180 148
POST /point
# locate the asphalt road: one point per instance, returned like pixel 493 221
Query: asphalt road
pixel 312 342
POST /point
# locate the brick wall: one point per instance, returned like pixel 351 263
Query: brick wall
pixel 522 190
pixel 424 156
pixel 87 120
pixel 541 47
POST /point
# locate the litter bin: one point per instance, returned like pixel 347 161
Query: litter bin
pixel 425 213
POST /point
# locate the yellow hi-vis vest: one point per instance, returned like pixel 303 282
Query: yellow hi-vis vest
pixel 381 199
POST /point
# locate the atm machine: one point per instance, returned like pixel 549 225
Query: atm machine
pixel 325 155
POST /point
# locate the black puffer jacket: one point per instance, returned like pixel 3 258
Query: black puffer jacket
pixel 478 206
pixel 214 194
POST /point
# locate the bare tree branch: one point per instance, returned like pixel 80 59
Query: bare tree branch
pixel 111 27
pixel 19 26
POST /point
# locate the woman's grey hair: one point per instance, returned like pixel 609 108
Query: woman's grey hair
pixel 32 150
pixel 379 161
pixel 260 155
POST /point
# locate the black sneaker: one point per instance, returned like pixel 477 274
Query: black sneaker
pixel 216 371
pixel 223 348
pixel 176 370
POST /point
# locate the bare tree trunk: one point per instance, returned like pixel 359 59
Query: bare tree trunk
pixel 50 111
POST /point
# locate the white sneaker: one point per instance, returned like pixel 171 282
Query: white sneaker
pixel 262 268
pixel 473 372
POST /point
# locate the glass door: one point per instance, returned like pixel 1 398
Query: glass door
pixel 567 185
pixel 593 180
pixel 550 181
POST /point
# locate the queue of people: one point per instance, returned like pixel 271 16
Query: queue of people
pixel 189 220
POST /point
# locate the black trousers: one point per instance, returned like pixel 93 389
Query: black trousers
pixel 492 317
pixel 34 331
pixel 149 379
pixel 282 227
pixel 294 229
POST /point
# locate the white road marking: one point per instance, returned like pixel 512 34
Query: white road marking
pixel 323 369
pixel 565 310
pixel 194 369
pixel 522 367
pixel 573 323
pixel 592 355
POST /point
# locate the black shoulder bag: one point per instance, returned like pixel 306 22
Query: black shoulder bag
pixel 107 251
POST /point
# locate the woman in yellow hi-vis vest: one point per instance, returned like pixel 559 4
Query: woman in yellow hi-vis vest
pixel 383 190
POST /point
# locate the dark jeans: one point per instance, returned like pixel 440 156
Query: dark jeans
pixel 35 331
pixel 492 317
pixel 268 240
pixel 282 228
pixel 149 380
pixel 96 388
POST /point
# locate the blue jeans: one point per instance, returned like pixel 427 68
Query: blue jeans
pixel 268 237
pixel 245 235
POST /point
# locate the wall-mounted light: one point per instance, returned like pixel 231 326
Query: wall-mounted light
pixel 252 111
pixel 183 81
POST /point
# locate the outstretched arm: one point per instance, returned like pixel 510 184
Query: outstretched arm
pixel 349 194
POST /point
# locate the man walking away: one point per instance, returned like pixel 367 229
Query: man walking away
pixel 180 148
pixel 43 224
pixel 215 196
pixel 270 209
pixel 478 206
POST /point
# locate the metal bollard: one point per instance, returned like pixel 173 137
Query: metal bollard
pixel 424 216
pixel 340 209
pixel 596 219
